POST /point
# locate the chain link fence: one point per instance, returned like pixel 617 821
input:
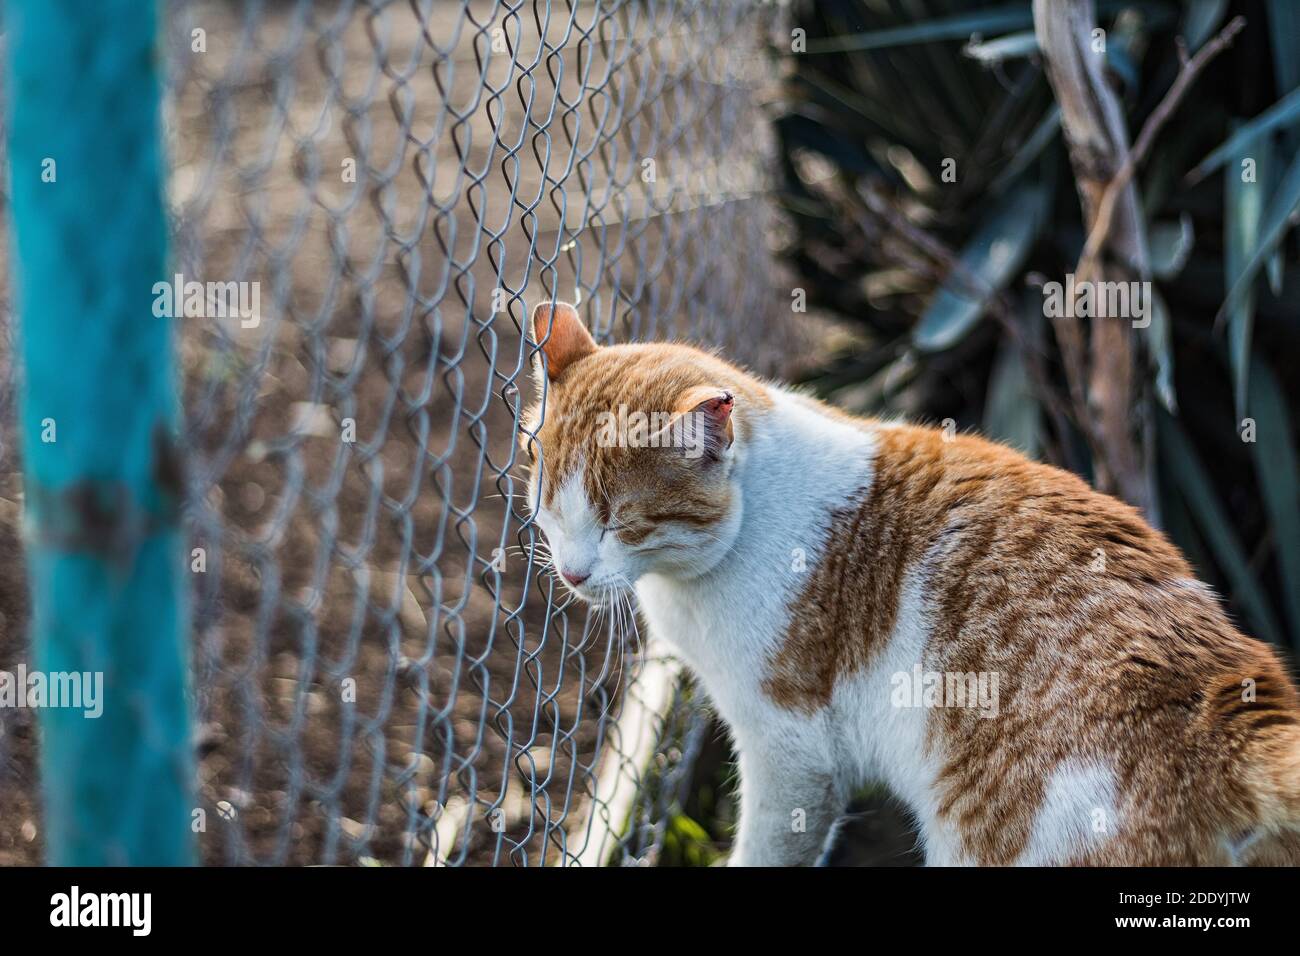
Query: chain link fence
pixel 382 674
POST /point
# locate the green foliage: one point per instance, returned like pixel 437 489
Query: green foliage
pixel 988 261
pixel 942 275
pixel 687 843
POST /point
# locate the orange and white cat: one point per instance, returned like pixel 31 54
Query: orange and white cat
pixel 1028 666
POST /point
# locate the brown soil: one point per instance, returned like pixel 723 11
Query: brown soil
pixel 363 657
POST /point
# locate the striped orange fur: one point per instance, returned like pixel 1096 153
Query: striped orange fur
pixel 1136 725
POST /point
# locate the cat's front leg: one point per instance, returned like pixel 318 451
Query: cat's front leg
pixel 785 812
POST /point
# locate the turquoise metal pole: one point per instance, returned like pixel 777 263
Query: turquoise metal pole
pixel 98 415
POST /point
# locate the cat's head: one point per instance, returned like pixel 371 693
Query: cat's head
pixel 635 456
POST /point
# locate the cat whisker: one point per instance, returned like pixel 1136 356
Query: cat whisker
pixel 529 553
pixel 624 600
pixel 626 594
pixel 600 678
pixel 615 646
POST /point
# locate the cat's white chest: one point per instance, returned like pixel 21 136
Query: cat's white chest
pixel 724 648
pixel 800 469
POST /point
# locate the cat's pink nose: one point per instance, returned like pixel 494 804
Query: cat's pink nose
pixel 574 578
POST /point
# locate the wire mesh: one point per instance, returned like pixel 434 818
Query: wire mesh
pixel 382 673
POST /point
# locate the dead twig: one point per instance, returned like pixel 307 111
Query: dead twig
pixel 1101 372
pixel 1188 71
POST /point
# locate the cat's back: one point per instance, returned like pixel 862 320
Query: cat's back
pixel 1126 696
pixel 995 542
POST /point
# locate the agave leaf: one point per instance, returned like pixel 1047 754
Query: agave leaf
pixel 849 103
pixel 1170 244
pixel 875 393
pixel 987 263
pixel 1178 525
pixel 1119 59
pixel 1160 347
pixel 1275 269
pixel 1201 19
pixel 1284 112
pixel 1276 221
pixel 1242 216
pixel 1128 36
pixel 1017 46
pixel 960 26
pixel 1011 410
pixel 1013 46
pixel 1030 149
pixel 1270 163
pixel 1184 467
pixel 1284 34
pixel 1007 124
pixel 1279 480
pixel 936 95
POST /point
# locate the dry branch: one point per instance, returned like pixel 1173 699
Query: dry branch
pixel 1093 127
pixel 1187 73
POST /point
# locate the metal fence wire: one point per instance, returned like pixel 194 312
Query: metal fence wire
pixel 382 674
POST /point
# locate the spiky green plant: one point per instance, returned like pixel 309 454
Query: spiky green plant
pixel 943 273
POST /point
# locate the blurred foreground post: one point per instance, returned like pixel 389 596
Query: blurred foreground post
pixel 102 477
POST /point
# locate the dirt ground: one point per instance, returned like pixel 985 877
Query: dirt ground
pixel 379 669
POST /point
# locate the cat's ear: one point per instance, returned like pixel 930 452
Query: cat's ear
pixel 563 337
pixel 704 412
